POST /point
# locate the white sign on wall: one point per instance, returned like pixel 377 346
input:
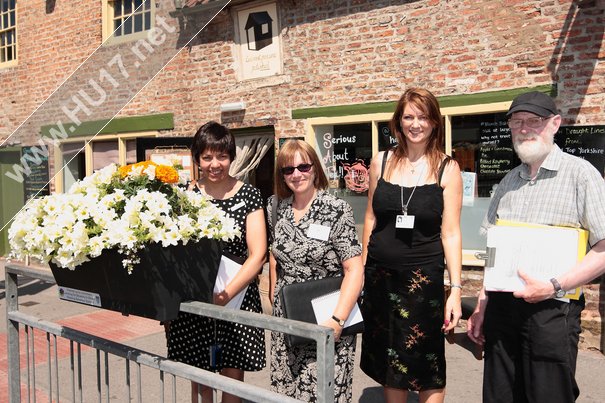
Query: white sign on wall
pixel 259 41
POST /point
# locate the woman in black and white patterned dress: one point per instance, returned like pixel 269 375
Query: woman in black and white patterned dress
pixel 314 237
pixel 190 337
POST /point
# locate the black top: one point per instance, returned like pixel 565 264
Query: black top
pixel 391 246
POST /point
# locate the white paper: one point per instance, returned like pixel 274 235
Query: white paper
pixel 320 232
pixel 324 306
pixel 227 271
pixel 542 253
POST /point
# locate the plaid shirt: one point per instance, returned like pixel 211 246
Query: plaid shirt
pixel 568 191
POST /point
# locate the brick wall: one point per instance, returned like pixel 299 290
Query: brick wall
pixel 334 53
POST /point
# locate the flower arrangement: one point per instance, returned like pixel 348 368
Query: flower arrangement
pixel 124 208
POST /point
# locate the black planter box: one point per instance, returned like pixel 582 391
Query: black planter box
pixel 165 277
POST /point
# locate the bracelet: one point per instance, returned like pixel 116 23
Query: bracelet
pixel 456 286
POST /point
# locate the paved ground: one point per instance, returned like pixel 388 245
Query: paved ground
pixel 464 371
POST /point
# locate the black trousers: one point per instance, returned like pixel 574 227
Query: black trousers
pixel 530 350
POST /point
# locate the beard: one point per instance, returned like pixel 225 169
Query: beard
pixel 531 152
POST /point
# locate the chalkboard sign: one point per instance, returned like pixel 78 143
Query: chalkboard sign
pixel 496 154
pixel 36 183
pixel 586 142
pixel 385 139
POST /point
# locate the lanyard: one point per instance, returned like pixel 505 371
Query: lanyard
pixel 404 207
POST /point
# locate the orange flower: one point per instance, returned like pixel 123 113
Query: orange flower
pixel 166 174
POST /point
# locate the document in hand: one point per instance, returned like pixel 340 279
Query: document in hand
pixel 324 306
pixel 542 251
pixel 227 271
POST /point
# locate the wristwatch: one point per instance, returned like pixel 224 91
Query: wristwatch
pixel 559 292
pixel 339 321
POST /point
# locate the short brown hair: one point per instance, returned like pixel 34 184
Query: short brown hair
pixel 214 137
pixel 285 157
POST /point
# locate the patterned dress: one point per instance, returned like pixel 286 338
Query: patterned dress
pixel 403 345
pixel 300 258
pixel 243 347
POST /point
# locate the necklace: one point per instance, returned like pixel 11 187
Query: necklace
pixel 404 207
pixel 413 167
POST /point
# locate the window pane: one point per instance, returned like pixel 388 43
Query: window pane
pixel 12 4
pixel 385 139
pixel 483 144
pixel 9 54
pixel 147 4
pixel 104 153
pixel 127 27
pixel 131 151
pixel 3 39
pixel 5 21
pixel 138 22
pixel 116 24
pixel 74 162
pixel 12 19
pixel 127 7
pixel 117 8
pixel 147 21
pixel 137 3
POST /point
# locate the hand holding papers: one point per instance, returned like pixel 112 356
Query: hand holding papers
pixel 543 252
pixel 227 271
pixel 324 306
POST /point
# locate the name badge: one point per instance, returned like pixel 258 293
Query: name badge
pixel 320 232
pixel 404 221
pixel 238 206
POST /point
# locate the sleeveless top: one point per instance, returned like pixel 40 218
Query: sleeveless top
pixel 393 247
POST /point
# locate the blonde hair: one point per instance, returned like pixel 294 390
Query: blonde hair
pixel 285 157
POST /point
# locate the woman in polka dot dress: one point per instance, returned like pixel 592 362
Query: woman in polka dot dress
pixel 191 337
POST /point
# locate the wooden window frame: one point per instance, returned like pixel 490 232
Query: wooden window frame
pixel 14 60
pixel 88 151
pixel 108 26
pixel 468 255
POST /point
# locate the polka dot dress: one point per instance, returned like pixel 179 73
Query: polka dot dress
pixel 190 336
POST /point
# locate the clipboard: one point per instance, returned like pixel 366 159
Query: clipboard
pixel 542 251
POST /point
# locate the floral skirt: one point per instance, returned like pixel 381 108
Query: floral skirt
pixel 403 346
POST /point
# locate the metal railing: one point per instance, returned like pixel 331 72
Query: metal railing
pixel 141 359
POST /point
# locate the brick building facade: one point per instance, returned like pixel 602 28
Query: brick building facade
pixel 337 69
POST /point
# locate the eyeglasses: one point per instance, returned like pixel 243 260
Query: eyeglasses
pixel 301 168
pixel 534 122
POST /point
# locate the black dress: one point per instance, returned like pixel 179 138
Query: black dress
pixel 243 347
pixel 403 345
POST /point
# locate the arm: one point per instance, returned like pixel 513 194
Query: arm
pixel 256 240
pixel 350 290
pixel 451 239
pixel 474 325
pixel 272 277
pixel 592 266
pixel 370 218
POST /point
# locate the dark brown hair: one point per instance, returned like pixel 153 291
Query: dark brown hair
pixel 285 158
pixel 425 101
pixel 214 137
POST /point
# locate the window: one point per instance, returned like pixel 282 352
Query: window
pixel 8 31
pixel 82 157
pixel 127 19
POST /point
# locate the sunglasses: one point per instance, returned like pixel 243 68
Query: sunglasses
pixel 301 168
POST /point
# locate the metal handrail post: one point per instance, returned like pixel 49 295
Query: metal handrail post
pixel 12 305
pixel 325 368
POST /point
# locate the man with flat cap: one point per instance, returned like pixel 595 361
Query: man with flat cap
pixel 530 337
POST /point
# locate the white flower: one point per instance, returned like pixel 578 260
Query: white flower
pixel 122 209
